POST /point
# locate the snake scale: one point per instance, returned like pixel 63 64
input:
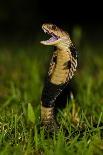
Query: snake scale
pixel 61 70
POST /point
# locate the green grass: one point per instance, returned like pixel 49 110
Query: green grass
pixel 22 71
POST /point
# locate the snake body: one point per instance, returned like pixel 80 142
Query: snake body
pixel 62 67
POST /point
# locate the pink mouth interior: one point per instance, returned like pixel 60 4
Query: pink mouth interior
pixel 52 39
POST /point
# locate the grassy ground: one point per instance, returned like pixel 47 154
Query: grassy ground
pixel 22 71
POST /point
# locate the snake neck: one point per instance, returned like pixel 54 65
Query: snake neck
pixel 61 68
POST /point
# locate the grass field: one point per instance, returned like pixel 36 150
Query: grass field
pixel 22 71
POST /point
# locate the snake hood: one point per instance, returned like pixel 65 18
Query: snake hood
pixel 58 38
pixel 63 64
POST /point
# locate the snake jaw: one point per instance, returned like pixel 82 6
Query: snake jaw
pixel 54 39
pixel 59 38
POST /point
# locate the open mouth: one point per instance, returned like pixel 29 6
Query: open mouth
pixel 50 41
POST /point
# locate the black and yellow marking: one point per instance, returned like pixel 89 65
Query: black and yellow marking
pixel 62 67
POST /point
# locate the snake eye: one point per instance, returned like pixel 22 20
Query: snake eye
pixel 54 27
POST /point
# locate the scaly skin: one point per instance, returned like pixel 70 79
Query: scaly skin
pixel 62 67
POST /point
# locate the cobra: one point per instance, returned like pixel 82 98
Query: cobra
pixel 61 70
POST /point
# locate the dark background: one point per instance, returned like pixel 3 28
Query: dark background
pixel 24 17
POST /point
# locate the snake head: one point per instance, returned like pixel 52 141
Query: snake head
pixel 58 36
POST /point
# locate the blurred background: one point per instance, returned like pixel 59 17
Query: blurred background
pixel 24 61
pixel 24 64
pixel 23 19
